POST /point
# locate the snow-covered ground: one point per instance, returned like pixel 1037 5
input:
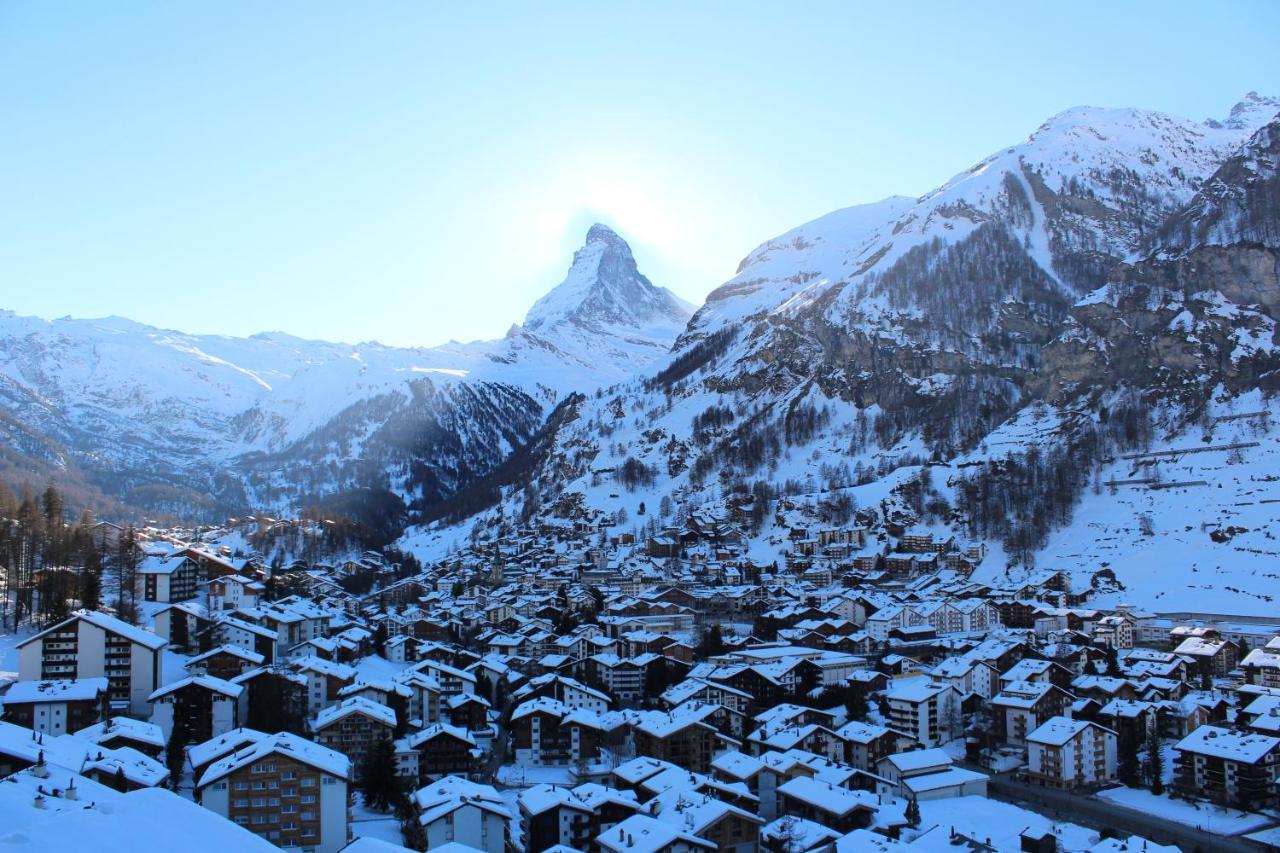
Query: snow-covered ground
pixel 996 823
pixel 367 823
pixel 525 776
pixel 1204 816
pixel 1180 566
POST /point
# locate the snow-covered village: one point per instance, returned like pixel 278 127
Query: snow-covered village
pixel 946 520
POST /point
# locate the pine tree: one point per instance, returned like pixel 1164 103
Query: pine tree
pixel 712 642
pixel 175 752
pixel 912 813
pixel 378 780
pixel 1156 762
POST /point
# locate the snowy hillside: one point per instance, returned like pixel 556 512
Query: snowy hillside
pixel 119 401
pixel 960 362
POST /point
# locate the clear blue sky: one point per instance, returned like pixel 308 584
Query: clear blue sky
pixel 422 171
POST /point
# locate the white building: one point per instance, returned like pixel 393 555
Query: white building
pixel 930 713
pixel 457 810
pixel 92 645
pixel 1066 753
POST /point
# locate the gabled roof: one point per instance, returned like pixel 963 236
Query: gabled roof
pixel 132 633
pixel 289 745
pixel 207 682
pixel 354 705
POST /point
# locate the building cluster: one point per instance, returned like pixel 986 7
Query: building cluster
pixel 663 695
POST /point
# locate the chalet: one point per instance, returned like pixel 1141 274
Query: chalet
pixel 454 809
pixel 1023 706
pixel 204 705
pixel 838 808
pixel 57 706
pixel 438 750
pixel 354 726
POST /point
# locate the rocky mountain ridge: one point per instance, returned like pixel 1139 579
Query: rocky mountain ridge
pixel 135 418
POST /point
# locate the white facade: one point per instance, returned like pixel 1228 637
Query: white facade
pixel 1067 753
pixel 133 667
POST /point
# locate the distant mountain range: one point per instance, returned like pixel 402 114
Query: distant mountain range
pixel 137 419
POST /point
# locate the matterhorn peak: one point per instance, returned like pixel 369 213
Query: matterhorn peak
pixel 604 290
pixel 601 233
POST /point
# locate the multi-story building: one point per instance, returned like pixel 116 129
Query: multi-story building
pixel 91 645
pixel 930 713
pixel 455 809
pixel 684 740
pixel 1067 753
pixel 354 726
pixel 287 789
pixel 169 578
pixel 1237 769
pixel 1023 706
pixel 205 705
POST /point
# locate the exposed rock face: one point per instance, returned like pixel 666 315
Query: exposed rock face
pixel 1175 328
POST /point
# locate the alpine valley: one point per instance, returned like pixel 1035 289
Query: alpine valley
pixel 1064 360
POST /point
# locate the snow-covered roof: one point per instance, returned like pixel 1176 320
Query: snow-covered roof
pixel 61 690
pixel 227 649
pixel 1227 744
pixel 107 623
pixel 126 727
pixel 207 682
pixel 354 705
pixel 948 778
pixel 299 749
pixel 202 753
pixel 827 797
pixel 644 834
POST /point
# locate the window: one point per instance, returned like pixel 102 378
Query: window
pixel 289 775
pixel 242 819
pixel 259 802
pixel 242 786
pixel 308 781
pixel 308 798
pixel 241 804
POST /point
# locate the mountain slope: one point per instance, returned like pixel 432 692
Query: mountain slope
pixel 956 329
pixel 180 423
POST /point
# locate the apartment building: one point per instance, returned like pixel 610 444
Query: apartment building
pixel 354 726
pixel 930 713
pixel 89 644
pixel 284 788
pixel 1237 769
pixel 1067 753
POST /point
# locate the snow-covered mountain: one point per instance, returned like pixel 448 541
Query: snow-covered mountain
pixel 170 421
pixel 964 329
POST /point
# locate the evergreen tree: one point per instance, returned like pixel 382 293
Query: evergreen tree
pixel 711 642
pixel 912 813
pixel 90 592
pixel 175 752
pixel 378 780
pixel 1155 761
